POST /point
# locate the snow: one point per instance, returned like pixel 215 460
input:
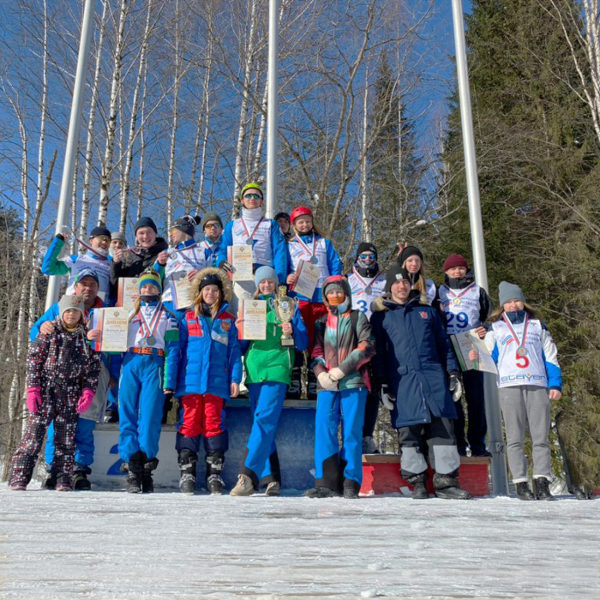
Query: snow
pixel 108 544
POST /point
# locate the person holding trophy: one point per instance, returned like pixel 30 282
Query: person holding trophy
pixel 268 365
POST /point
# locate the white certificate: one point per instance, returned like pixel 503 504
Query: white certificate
pixel 463 342
pixel 113 323
pixel 307 279
pixel 182 292
pixel 253 315
pixel 128 292
pixel 241 260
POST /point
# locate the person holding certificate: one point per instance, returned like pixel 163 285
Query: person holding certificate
pixel 268 368
pixel 178 265
pixel 260 234
pixel 210 372
pixel 310 252
pixel 148 378
pixel 343 347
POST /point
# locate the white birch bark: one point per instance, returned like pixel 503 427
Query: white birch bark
pixel 365 222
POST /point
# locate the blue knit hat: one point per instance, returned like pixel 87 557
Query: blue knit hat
pixel 509 291
pixel 263 273
pixel 145 222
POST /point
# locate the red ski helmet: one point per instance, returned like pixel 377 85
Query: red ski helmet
pixel 300 211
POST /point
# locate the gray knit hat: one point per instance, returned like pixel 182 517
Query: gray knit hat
pixel 67 302
pixel 509 291
pixel 211 216
pixel 118 235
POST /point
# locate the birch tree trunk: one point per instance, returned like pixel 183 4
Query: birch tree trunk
pixel 107 164
pixel 365 222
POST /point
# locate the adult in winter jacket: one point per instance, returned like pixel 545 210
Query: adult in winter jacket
pixel 413 361
pixel 367 282
pixel 343 347
pixel 268 370
pixel 86 287
pixel 62 373
pixel 96 258
pixel 210 371
pixel 465 306
pixel 132 262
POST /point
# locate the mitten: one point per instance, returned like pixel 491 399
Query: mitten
pixel 167 406
pixel 87 396
pixel 386 398
pixel 34 399
pixel 455 386
pixel 326 382
pixel 336 373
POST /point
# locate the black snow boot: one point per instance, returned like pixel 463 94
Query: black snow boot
pixel 419 491
pixel 147 483
pixel 214 467
pixel 50 482
pixel 80 481
pixel 321 492
pixel 135 473
pixel 188 462
pixel 351 489
pixel 541 487
pixel 523 491
pixel 446 486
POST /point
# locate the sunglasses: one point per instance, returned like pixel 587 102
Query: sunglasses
pixel 252 196
pixel 366 256
pixel 211 225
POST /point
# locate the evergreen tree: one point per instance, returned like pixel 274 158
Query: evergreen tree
pixel 538 174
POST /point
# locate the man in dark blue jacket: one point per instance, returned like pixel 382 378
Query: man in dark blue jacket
pixel 413 364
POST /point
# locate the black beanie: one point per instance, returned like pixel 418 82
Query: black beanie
pixel 186 224
pixel 408 252
pixel 145 222
pixel 395 273
pixel 366 247
pixel 211 279
pixel 282 215
pixel 99 231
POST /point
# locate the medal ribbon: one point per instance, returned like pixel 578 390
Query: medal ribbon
pixel 461 293
pixel 305 247
pixel 146 329
pixel 520 344
pixel 362 281
pixel 89 248
pixel 250 235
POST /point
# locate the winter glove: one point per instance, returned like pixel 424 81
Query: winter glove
pixel 227 267
pixel 34 399
pixel 326 382
pixel 85 401
pixel 455 386
pixel 336 374
pixel 167 406
pixel 386 398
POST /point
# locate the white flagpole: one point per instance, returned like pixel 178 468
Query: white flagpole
pixel 272 111
pixel 66 187
pixel 492 407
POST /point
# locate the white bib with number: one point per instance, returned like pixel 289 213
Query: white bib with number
pixel 461 307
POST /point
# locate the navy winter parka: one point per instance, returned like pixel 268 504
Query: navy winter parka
pixel 413 357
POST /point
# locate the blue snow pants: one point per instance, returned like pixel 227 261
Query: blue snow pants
pixel 332 464
pixel 266 402
pixel 141 401
pixel 84 445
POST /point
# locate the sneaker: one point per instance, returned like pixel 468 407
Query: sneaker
pixel 243 487
pixel 80 481
pixel 273 489
pixel 542 489
pixel 215 484
pixel 321 492
pixel 369 446
pixel 523 491
pixel 50 482
pixel 419 491
pixel 187 484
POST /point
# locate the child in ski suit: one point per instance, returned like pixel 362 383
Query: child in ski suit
pixel 210 372
pixel 529 378
pixel 148 378
pixel 62 374
pixel 268 369
pixel 465 306
pixel 343 347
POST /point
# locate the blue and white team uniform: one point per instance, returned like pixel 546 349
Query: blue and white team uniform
pixel 365 290
pixel 212 251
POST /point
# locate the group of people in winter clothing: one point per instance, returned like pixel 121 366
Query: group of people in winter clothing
pixel 369 336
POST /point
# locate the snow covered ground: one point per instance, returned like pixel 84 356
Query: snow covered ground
pixel 109 544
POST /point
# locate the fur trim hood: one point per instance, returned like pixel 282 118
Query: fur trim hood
pixel 225 283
